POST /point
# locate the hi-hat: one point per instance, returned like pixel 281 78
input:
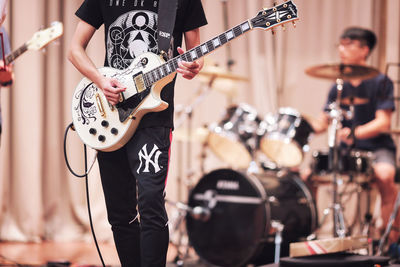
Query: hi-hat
pixel 354 101
pixel 342 71
pixel 217 72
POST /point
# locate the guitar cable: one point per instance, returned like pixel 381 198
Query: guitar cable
pixel 71 126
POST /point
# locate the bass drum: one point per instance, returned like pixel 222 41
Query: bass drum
pixel 242 208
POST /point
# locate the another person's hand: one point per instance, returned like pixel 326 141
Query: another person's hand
pixel 6 75
pixel 112 89
pixel 3 11
pixel 188 69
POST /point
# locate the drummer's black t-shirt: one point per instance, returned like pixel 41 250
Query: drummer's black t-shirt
pixel 379 93
pixel 130 30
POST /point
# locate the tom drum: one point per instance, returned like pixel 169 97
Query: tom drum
pixel 286 137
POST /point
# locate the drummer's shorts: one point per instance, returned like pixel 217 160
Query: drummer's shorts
pixel 385 155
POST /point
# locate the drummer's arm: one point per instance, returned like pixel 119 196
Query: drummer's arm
pixel 380 124
pixel 321 123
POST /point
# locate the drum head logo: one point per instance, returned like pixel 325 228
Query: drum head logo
pixel 147 159
pixel 228 185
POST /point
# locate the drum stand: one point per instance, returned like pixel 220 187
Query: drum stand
pixel 339 227
pixel 182 210
pixel 278 226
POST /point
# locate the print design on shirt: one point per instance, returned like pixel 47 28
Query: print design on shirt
pixel 131 35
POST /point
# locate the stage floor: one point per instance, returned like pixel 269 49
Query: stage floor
pixel 78 254
pixel 39 254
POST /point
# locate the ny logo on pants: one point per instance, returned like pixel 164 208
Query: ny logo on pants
pixel 148 159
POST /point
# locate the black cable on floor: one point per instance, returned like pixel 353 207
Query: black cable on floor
pixel 70 126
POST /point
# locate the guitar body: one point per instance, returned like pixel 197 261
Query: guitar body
pixel 105 127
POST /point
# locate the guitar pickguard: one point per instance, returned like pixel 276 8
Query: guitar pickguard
pixel 126 108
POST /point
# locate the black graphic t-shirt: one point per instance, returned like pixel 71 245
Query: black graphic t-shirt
pixel 379 92
pixel 130 28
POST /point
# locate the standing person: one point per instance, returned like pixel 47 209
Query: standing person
pixel 130 30
pixel 371 119
pixel 6 74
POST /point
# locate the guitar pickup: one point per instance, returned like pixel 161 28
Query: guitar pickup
pixel 121 97
pixel 100 105
pixel 139 82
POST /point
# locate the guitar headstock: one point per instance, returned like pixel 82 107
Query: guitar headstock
pixel 42 38
pixel 275 16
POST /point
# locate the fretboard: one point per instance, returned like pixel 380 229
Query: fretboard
pixel 197 52
pixel 13 55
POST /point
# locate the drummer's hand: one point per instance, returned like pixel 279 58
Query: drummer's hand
pixel 344 136
pixel 305 173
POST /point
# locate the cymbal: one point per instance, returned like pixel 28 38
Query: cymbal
pixel 355 101
pixel 342 71
pixel 199 134
pixel 217 72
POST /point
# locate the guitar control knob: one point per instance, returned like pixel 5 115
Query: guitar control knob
pixel 102 138
pixel 104 123
pixel 114 131
pixel 92 131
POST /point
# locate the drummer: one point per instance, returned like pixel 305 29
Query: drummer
pixel 373 109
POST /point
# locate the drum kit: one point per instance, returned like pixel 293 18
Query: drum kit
pixel 239 215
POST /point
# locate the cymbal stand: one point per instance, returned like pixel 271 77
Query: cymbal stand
pixel 230 61
pixel 187 115
pixel 339 228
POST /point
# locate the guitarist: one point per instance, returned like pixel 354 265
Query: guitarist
pixel 142 164
pixel 6 74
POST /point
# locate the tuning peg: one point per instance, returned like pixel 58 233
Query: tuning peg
pixel 294 24
pixel 272 31
pixel 283 27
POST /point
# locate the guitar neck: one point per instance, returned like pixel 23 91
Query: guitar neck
pixel 16 53
pixel 197 52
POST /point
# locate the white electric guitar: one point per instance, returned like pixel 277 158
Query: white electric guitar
pixel 106 127
pixel 38 41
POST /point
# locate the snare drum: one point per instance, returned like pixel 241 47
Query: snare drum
pixel 353 167
pixel 286 137
pixel 236 136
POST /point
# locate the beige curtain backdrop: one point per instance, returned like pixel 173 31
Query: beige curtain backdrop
pixel 41 200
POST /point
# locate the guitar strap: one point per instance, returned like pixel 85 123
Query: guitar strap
pixel 166 22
